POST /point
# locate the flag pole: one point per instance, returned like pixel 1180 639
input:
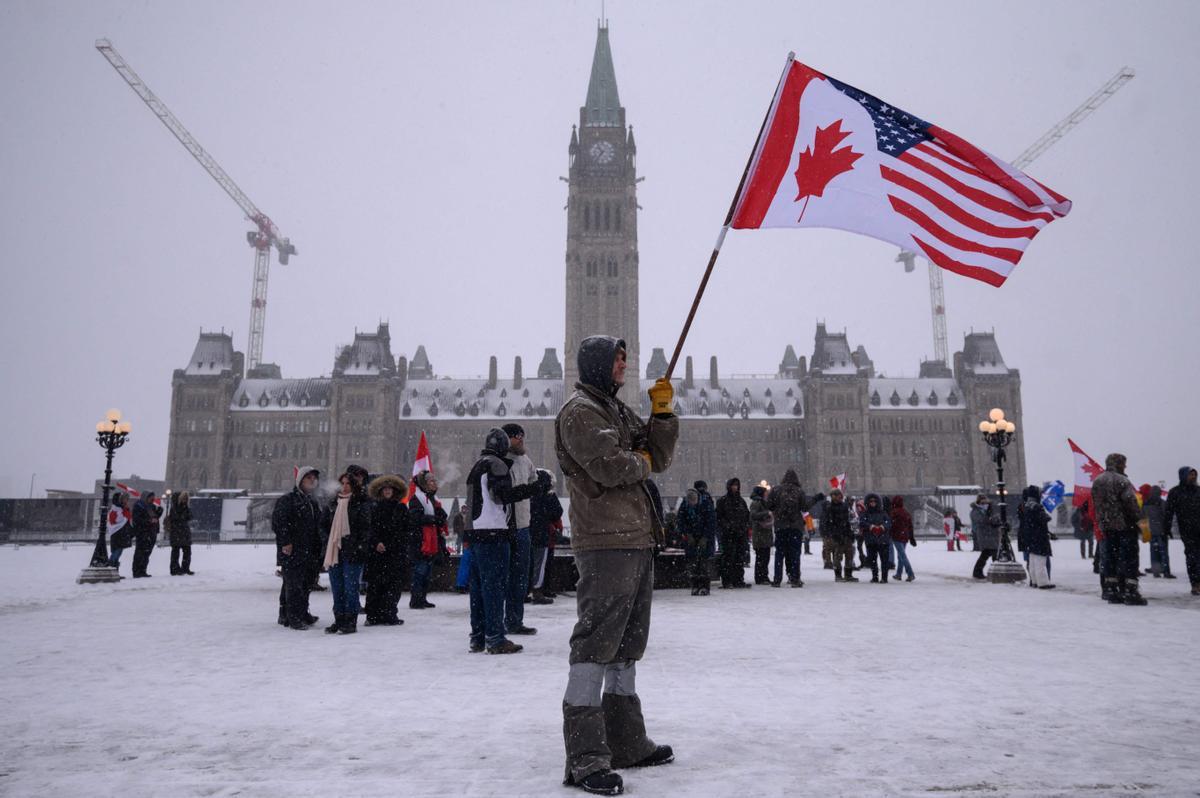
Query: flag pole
pixel 737 196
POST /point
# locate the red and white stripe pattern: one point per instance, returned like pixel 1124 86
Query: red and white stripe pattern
pixel 914 184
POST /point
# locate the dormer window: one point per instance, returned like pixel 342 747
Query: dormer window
pixel 283 401
pixel 501 410
pixel 263 401
pixel 894 399
pixel 933 400
pixel 913 399
pixel 875 400
pixel 406 410
pixel 244 401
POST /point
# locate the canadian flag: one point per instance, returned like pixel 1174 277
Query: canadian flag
pixel 1086 471
pixel 832 155
pixel 421 463
pixel 137 494
pixel 838 483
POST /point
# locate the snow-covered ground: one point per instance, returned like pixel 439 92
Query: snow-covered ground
pixel 180 686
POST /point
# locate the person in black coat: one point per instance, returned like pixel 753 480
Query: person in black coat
pixel 179 532
pixel 733 520
pixel 544 510
pixel 347 526
pixel 430 526
pixel 296 524
pixel 388 547
pixel 1033 536
pixel 145 533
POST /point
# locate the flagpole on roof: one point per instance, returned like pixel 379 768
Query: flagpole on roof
pixel 737 197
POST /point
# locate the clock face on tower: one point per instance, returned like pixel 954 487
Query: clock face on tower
pixel 602 152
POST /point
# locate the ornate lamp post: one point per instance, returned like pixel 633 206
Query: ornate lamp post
pixel 997 434
pixel 111 434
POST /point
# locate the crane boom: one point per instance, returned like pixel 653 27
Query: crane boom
pixel 937 297
pixel 262 239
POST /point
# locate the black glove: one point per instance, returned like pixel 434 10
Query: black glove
pixel 543 481
pixel 1053 536
pixel 914 542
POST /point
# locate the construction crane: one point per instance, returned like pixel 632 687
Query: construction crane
pixel 266 235
pixel 937 297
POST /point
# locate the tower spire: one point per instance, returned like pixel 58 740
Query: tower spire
pixel 603 106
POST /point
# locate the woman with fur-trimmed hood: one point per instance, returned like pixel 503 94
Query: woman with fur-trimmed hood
pixel 387 546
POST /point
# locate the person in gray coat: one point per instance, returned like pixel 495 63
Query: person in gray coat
pixel 985 529
pixel 607 454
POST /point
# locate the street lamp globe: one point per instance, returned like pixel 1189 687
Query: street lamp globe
pixel 996 414
pixel 113 415
pixel 983 426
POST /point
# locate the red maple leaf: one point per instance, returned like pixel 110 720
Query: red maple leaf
pixel 1092 469
pixel 823 162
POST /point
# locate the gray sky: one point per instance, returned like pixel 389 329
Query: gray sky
pixel 412 153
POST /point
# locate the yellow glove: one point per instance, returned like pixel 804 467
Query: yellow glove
pixel 661 396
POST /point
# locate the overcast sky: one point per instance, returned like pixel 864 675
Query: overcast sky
pixel 412 153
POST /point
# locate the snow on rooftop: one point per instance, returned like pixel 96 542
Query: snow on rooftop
pixel 913 393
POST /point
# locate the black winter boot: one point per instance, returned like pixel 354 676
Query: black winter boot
pixel 349 624
pixel 1115 593
pixel 661 755
pixel 1132 596
pixel 336 626
pixel 602 782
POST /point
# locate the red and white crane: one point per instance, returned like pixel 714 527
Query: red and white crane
pixel 266 235
pixel 937 295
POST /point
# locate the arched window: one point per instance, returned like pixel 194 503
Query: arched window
pixel 587 216
pixel 617 218
pixel 606 217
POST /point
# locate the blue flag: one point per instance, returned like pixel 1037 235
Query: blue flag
pixel 1052 494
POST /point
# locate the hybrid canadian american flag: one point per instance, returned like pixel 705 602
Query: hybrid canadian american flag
pixel 834 156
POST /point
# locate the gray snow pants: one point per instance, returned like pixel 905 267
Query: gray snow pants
pixel 602 715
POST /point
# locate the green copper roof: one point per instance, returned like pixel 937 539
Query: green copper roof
pixel 603 107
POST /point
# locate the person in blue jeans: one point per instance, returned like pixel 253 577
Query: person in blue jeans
pixel 348 522
pixel 490 530
pixel 522 472
pixel 902 535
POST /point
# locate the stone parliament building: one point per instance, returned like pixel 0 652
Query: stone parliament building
pixel 823 414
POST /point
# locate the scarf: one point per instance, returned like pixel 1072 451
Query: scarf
pixel 339 529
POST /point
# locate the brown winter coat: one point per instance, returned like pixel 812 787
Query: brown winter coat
pixel 1115 502
pixel 597 439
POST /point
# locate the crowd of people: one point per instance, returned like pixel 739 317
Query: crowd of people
pixel 138 526
pixel 386 535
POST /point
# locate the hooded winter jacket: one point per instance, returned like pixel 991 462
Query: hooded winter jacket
pixel 874 522
pixel 835 522
pixel 544 510
pixel 1033 527
pixel 598 440
pixel 763 529
pixel 902 527
pixel 733 516
pixel 1114 498
pixel 985 524
pixel 1153 508
pixel 389 522
pixel 491 493
pixel 788 502
pixel 1183 505
pixel 296 522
